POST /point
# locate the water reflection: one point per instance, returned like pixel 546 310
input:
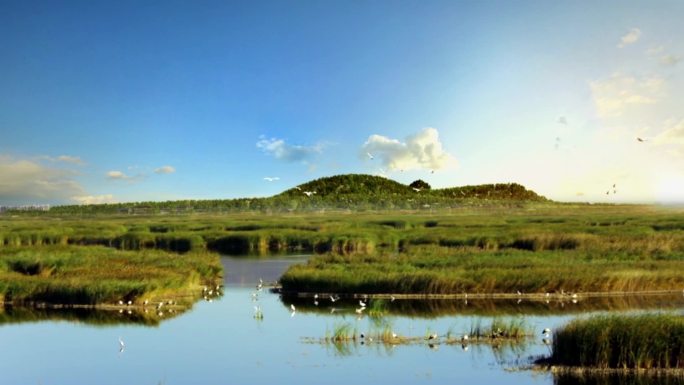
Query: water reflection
pixel 95 317
pixel 490 307
pixel 616 379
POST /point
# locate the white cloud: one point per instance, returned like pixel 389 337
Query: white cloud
pixel 672 134
pixel 117 175
pixel 165 170
pixel 287 152
pixel 613 96
pixel 670 60
pixel 27 181
pixel 420 151
pixel 93 199
pixel 630 38
pixel 71 159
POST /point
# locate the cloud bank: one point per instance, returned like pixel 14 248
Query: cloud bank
pixel 423 150
pixel 93 199
pixel 26 181
pixel 618 93
pixel 287 152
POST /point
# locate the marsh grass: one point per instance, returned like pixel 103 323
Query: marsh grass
pixel 93 275
pixel 532 249
pixel 644 341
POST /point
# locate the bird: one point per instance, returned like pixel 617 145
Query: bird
pixel 370 156
pixel 640 139
pixel 464 338
pixel 519 293
pixel 362 304
pixel 394 335
pixel 360 310
pixel 121 302
pixel 546 331
pixel 309 193
pixel 292 307
pixel 129 303
pixel 122 346
pixel 416 189
pixel 145 302
pixel 315 302
pixel 432 336
pixel 392 298
pixel 333 299
pixel 271 178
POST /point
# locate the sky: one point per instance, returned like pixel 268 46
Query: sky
pixel 119 101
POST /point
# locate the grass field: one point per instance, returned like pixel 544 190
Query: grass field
pixel 96 274
pixel 538 248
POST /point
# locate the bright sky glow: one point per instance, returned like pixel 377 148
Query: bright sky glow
pixel 130 100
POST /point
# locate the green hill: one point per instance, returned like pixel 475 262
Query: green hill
pixel 339 192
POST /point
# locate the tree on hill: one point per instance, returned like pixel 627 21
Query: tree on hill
pixel 420 184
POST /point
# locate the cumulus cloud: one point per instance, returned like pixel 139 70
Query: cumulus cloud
pixel 27 181
pixel 117 175
pixel 630 38
pixel 93 199
pixel 165 170
pixel 287 152
pixel 613 96
pixel 420 151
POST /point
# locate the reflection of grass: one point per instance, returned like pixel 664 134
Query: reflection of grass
pixel 498 332
pixel 95 275
pixel 616 341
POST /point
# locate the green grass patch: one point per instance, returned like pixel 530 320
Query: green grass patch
pixel 649 341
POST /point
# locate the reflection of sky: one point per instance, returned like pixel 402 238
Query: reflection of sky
pixel 221 343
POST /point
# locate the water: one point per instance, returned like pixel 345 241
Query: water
pixel 222 343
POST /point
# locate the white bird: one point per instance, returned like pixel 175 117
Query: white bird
pixel 370 155
pixel 121 302
pixel 546 331
pixel 315 302
pixel 394 335
pixel 309 193
pixel 146 302
pixel 333 299
pixel 292 307
pixel 271 178
pixel 362 304
pixel 392 298
pixel 464 338
pixel 416 189
pixel 129 303
pixel 122 346
pixel 432 336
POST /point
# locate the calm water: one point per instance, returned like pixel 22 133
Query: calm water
pixel 222 343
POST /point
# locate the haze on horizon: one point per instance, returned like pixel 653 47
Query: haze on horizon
pixel 134 101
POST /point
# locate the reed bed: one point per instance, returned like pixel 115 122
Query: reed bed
pixel 95 274
pixel 647 341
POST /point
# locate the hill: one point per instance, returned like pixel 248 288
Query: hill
pixel 339 192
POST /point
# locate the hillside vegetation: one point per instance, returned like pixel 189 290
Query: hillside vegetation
pixel 340 192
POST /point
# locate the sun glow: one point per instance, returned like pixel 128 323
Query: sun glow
pixel 671 189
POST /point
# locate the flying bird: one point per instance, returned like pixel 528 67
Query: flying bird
pixel 309 193
pixel 122 346
pixel 640 139
pixel 370 156
pixel 271 178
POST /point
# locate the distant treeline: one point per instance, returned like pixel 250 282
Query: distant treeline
pixel 341 192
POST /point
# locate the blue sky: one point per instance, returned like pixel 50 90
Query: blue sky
pixel 158 100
